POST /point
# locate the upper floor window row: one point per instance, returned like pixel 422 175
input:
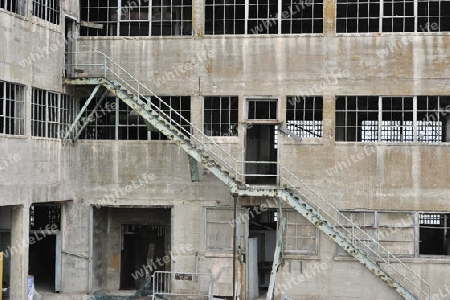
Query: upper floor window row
pixel 16 6
pixel 392 16
pixel 48 10
pixel 137 18
pixel 263 16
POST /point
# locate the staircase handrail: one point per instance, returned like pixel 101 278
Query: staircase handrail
pixel 353 226
pixel 282 180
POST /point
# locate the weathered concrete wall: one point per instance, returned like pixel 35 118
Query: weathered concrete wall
pixel 409 177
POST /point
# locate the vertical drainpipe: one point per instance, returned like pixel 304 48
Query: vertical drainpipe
pixel 235 196
pixel 91 248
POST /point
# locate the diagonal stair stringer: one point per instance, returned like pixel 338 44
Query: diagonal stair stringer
pixel 133 96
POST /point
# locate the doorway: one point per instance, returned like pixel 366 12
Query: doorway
pixel 262 243
pixel 44 251
pixel 261 146
pixel 142 254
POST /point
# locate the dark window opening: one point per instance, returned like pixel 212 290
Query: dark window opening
pixel 137 18
pixel 178 112
pixel 16 6
pixel 262 109
pixel 264 17
pixel 48 10
pixel 392 16
pixel 45 217
pixel 357 119
pixel 221 115
pixel 434 234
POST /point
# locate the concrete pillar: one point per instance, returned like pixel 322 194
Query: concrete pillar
pixel 19 252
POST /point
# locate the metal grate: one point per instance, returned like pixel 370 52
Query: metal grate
pixel 12 108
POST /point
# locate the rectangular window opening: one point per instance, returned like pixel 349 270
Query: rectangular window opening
pixel 48 10
pixel 434 234
pixel 304 116
pixel 137 18
pixel 220 115
pixel 12 108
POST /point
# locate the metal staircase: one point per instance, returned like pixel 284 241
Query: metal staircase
pixel 97 69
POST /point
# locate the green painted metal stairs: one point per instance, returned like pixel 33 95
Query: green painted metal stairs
pixel 225 167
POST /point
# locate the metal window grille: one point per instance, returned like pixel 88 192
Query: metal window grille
pixel 16 6
pixel 12 108
pixel 48 10
pixel 51 113
pixel 137 18
pixel 304 116
pixel 38 115
pixel 392 16
pixel 221 115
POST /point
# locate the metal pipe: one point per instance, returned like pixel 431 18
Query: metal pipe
pixel 235 196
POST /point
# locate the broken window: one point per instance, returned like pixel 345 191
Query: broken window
pixel 137 18
pixel 220 115
pixel 304 116
pixel 16 6
pixel 397 119
pixel 219 228
pixel 263 17
pixel 301 236
pixel 114 120
pixel 392 16
pixel 12 108
pixel 178 110
pixel 434 234
pixel 433 115
pixel 47 10
pixel 50 113
pixel 358 119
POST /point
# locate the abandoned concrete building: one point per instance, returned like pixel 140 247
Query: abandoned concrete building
pixel 226 148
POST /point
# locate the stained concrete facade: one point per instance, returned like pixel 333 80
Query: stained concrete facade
pixel 395 177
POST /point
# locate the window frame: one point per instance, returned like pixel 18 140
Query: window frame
pixel 267 23
pixel 12 123
pixel 383 19
pixel 378 124
pixel 231 110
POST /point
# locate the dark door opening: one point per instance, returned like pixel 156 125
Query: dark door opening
pixel 44 252
pixel 263 227
pixel 261 146
pixel 142 254
pixel 42 261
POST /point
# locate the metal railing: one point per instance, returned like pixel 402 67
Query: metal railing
pixel 198 285
pixel 394 267
pixel 93 61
